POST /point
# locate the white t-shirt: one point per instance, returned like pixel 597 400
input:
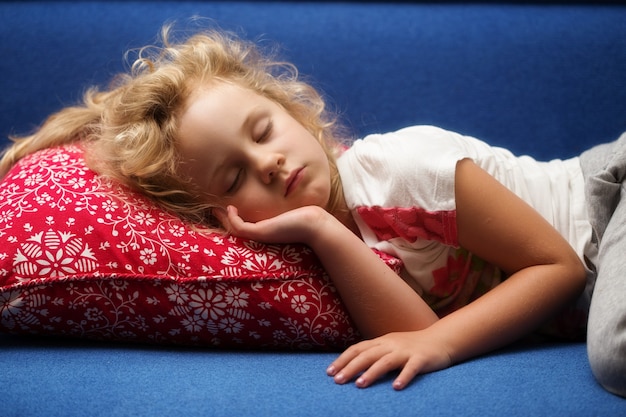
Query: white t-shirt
pixel 400 189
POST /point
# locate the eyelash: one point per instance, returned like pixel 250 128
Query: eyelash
pixel 264 135
pixel 266 132
pixel 235 183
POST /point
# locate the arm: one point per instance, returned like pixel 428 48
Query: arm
pixel 545 273
pixel 378 300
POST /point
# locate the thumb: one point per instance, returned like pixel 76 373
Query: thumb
pixel 221 215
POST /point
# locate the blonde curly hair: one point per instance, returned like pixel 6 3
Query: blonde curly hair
pixel 130 130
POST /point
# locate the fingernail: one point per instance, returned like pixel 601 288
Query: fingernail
pixel 398 385
pixel 331 370
pixel 340 378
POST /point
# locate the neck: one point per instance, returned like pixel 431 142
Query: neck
pixel 343 214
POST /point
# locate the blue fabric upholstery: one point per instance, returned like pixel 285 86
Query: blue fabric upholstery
pixel 67 378
pixel 549 80
pixel 546 80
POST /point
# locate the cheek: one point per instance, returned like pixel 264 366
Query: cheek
pixel 254 207
pixel 258 212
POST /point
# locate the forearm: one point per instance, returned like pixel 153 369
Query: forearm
pixel 545 272
pixel 378 300
pixel 511 310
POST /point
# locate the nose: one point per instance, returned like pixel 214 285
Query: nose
pixel 269 166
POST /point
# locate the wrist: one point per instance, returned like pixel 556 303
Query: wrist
pixel 319 224
pixel 327 233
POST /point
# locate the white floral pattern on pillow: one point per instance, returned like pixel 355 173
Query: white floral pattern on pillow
pixel 86 257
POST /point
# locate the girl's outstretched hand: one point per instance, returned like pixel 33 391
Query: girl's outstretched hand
pixel 412 352
pixel 294 226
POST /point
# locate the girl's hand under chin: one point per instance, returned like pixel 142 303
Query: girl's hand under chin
pixel 295 226
pixel 349 261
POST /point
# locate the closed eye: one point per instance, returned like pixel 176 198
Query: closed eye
pixel 236 182
pixel 239 176
pixel 266 133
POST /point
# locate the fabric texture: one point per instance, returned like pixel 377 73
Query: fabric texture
pixel 400 187
pixel 86 257
pixel 605 169
pixel 64 378
pixel 541 79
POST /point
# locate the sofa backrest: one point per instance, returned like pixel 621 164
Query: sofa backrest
pixel 542 79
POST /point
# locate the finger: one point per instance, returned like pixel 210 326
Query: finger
pixel 361 364
pixel 346 356
pixel 233 214
pixel 236 223
pixel 380 368
pixel 222 216
pixel 408 373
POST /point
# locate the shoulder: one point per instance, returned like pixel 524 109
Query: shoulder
pixel 410 166
pixel 428 145
pixel 415 137
pixel 393 147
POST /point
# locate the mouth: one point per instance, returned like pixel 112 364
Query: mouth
pixel 293 180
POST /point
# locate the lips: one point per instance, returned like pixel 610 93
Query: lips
pixel 293 180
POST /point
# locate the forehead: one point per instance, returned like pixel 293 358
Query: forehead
pixel 213 117
pixel 209 101
pixel 214 111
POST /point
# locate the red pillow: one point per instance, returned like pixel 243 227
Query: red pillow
pixel 85 257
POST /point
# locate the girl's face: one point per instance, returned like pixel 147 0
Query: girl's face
pixel 242 149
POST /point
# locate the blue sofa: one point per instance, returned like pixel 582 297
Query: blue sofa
pixel 542 79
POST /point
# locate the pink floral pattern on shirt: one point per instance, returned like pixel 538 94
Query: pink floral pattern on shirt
pixel 460 279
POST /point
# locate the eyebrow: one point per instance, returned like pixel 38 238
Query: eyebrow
pixel 252 116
